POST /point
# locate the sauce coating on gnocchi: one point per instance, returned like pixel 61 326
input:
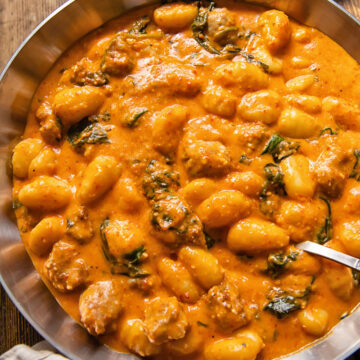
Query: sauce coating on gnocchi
pixel 170 162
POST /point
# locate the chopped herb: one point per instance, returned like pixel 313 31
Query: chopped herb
pixel 277 263
pixel 325 232
pixel 139 27
pixel 275 335
pixel 202 324
pixel 274 185
pixel 139 30
pixel 210 242
pixel 328 130
pixel 244 159
pixel 283 306
pixel 16 204
pixel 134 256
pixel 128 264
pixel 159 179
pixel 272 144
pixel 280 148
pixel 87 132
pixel 355 171
pixel 274 181
pixel 61 71
pixel 250 58
pixel 105 117
pixel 133 120
pixel 199 27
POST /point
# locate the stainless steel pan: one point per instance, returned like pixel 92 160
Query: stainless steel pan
pixel 19 80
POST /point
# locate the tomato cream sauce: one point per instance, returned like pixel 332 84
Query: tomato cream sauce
pixel 171 161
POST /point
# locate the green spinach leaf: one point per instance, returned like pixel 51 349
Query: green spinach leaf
pixel 244 159
pixel 199 27
pixel 210 242
pixel 139 27
pixel 159 179
pixel 280 148
pixel 250 58
pixel 283 306
pixel 277 263
pixel 325 232
pixel 132 120
pixel 274 181
pixel 129 263
pixel 328 131
pixel 355 174
pixel 87 132
pixel 105 117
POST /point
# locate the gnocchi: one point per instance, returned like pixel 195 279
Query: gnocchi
pixel 224 208
pixel 23 154
pixel 45 193
pixel 72 105
pixel 251 236
pixel 99 177
pixel 297 124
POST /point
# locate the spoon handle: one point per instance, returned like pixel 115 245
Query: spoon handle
pixel 331 254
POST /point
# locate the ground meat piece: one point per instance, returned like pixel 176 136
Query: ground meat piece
pixel 82 74
pixel 330 171
pixel 208 128
pixel 249 136
pixel 159 179
pixel 65 270
pixel 100 306
pixel 222 27
pixel 170 79
pixel 118 59
pixel 79 226
pixel 226 306
pixel 50 125
pixel 175 223
pixel 165 320
pixel 206 158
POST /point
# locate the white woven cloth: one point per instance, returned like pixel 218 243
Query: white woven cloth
pixel 41 351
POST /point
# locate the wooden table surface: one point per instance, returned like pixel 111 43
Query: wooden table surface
pixel 17 19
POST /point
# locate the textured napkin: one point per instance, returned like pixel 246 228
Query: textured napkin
pixel 40 351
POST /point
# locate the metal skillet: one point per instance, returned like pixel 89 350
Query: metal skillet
pixel 18 82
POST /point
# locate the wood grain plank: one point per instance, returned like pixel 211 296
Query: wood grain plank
pixel 17 19
pixel 352 6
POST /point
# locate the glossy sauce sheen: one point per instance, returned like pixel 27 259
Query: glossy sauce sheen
pixel 180 134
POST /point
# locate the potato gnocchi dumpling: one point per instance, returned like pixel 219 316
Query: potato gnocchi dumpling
pixel 172 160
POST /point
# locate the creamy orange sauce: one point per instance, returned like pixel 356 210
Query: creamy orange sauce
pixel 182 141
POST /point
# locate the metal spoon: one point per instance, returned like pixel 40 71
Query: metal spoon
pixel 313 248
